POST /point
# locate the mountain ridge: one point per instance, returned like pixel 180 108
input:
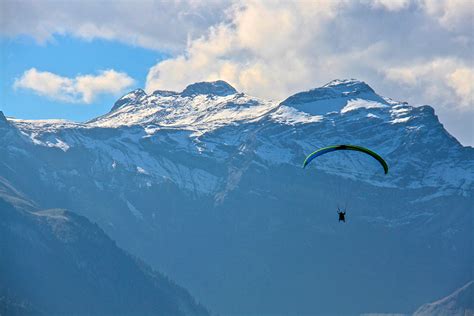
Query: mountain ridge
pixel 458 303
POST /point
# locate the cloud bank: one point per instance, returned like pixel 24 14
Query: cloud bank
pixel 272 49
pixel 438 79
pixel 163 25
pixel 81 89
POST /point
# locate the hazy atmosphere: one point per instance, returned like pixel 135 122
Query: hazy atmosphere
pixel 229 158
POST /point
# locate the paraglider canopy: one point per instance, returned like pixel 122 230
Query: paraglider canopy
pixel 328 149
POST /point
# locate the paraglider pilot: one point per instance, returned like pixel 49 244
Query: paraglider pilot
pixel 341 215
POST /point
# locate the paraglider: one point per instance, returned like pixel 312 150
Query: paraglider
pixel 325 150
pixel 329 149
pixel 342 215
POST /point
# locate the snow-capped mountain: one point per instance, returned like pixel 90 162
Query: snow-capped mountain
pixel 352 113
pixel 206 184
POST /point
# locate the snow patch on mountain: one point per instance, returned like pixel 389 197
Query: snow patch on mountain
pixel 355 104
pixel 58 144
pixel 334 97
pixel 134 210
pixel 141 170
pixel 291 116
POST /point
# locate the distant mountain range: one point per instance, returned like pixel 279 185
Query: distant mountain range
pixel 55 262
pixel 206 185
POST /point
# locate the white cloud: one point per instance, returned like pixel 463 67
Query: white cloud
pixel 445 79
pixel 47 84
pixel 391 5
pixel 163 25
pixel 462 81
pixel 108 81
pixel 445 83
pixel 81 89
pixel 263 50
pixel 456 15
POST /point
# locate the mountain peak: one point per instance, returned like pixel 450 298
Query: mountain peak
pixel 219 87
pixel 131 97
pixel 3 119
pixel 349 86
pixel 333 96
pixel 164 93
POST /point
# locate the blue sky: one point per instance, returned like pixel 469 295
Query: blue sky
pixel 73 59
pixel 68 57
